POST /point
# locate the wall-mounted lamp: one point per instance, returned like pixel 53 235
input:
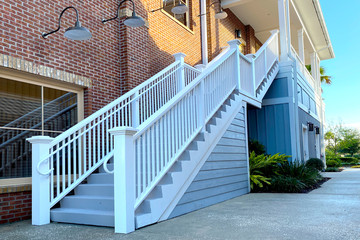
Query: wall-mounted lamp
pixel 311 126
pixel 133 21
pixel 237 33
pixel 317 130
pixel 219 14
pixel 74 33
pixel 179 8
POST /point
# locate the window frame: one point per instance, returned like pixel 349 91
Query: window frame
pixel 188 26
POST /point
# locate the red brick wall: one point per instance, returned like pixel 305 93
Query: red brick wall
pixel 15 206
pixel 114 66
pixel 98 59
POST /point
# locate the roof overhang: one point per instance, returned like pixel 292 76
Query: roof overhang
pixel 262 15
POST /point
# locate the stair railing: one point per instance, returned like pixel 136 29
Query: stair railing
pixel 144 155
pixel 62 163
pixel 264 59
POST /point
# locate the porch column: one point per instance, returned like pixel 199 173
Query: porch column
pixel 203 25
pixel 301 44
pixel 284 25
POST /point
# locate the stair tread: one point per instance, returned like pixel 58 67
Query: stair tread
pixel 98 184
pixel 89 197
pixel 82 211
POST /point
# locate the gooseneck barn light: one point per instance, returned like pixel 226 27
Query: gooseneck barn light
pixel 74 33
pixel 179 8
pixel 219 14
pixel 133 21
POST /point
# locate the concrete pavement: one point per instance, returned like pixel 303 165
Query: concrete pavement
pixel 330 212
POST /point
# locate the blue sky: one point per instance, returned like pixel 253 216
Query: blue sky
pixel 342 97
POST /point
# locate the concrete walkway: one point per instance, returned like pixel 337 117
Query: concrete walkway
pixel 330 212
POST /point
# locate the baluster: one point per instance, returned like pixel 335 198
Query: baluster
pixel 74 157
pixel 135 110
pixel 152 131
pixel 69 162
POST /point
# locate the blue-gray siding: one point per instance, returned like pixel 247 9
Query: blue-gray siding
pixel 223 176
pixel 304 118
pixel 270 125
pixel 278 89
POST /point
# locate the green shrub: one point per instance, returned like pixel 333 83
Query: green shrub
pixel 315 163
pixel 332 169
pixel 287 184
pixel 333 163
pixel 260 165
pixel 257 147
pixel 349 160
pixel 294 177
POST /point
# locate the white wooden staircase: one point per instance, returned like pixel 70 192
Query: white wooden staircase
pixel 171 141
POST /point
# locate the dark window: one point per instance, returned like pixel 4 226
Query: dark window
pixel 183 18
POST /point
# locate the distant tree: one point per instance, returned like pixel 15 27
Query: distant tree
pixel 323 78
pixel 350 142
pixel 333 137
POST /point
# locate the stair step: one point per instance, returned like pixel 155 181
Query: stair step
pixel 101 178
pixel 88 202
pixel 83 216
pixel 95 189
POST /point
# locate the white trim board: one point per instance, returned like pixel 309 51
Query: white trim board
pixel 276 101
pixel 305 109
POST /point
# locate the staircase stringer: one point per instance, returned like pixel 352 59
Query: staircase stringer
pixel 217 135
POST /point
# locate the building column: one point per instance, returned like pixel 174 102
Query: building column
pixel 284 25
pixel 301 45
pixel 204 39
pixel 315 67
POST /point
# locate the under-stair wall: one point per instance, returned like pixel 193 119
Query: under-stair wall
pixel 224 175
pixel 271 124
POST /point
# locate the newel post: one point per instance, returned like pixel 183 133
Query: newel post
pixel 124 178
pixel 181 74
pixel 234 44
pixel 40 180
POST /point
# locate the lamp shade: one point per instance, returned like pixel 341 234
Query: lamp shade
pixel 78 33
pixel 221 15
pixel 180 9
pixel 134 21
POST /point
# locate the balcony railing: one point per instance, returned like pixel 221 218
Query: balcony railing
pixel 300 65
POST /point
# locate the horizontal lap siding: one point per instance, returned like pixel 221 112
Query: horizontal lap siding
pixel 224 174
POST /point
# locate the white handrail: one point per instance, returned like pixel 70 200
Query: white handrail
pixel 84 147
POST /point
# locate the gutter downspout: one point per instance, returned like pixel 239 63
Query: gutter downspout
pixel 203 26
